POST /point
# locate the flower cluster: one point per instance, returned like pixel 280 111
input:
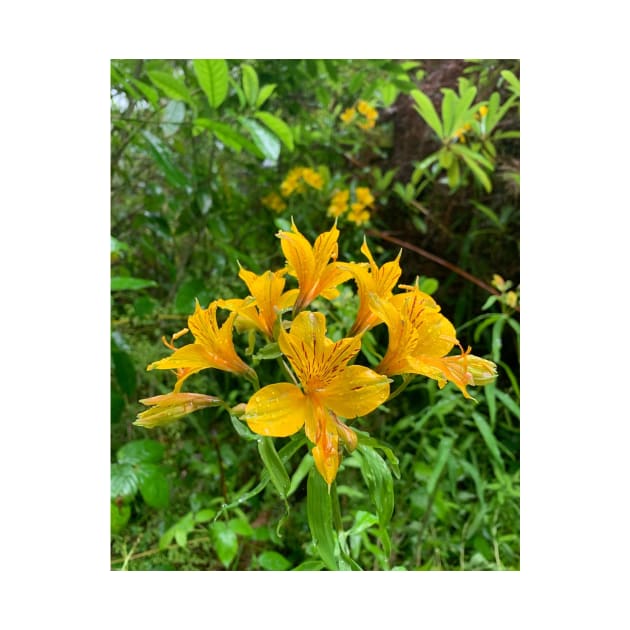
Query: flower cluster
pixel 274 202
pixel 297 179
pixel 325 386
pixel 362 113
pixel 359 213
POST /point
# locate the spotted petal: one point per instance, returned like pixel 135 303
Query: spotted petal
pixel 277 410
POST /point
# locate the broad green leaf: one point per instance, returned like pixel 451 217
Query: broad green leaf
pixel 378 479
pixel 147 91
pixel 309 565
pixel 514 82
pixel 212 75
pixel 125 373
pixel 443 452
pixel 153 485
pixel 427 111
pixel 119 517
pixel 265 93
pixel 462 113
pixel 319 514
pixel 193 288
pixel 125 283
pixel 225 542
pixel 162 156
pixel 428 285
pixel 449 103
pixel 488 436
pixel 179 531
pixel 362 522
pixel 269 351
pixel 229 136
pixel 172 87
pixel 266 141
pixel 124 482
pixel 278 126
pixel 250 83
pixel 273 561
pixel 205 515
pixel 366 440
pixel 241 527
pixel 274 466
pixel 141 451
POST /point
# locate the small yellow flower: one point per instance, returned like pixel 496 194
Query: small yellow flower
pixel 330 389
pixel 274 202
pixel 338 203
pixel 511 299
pixel 498 282
pixel 171 407
pixel 311 265
pixel 364 196
pixel 261 310
pixel 358 214
pixel 367 110
pixel 348 115
pixel 371 280
pixel 483 111
pixel 313 178
pixel 213 348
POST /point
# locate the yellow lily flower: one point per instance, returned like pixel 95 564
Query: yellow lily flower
pixel 420 337
pixel 261 310
pixel 330 389
pixel 373 281
pixel 316 275
pixel 213 348
pixel 171 407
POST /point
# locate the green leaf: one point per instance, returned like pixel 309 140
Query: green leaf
pixel 179 531
pixel 488 436
pixel 267 142
pixel 229 136
pixel 242 429
pixel 124 482
pixel 265 93
pixel 172 117
pixel 241 527
pixel 188 292
pixel 365 440
pixel 449 102
pixel 319 513
pixel 427 111
pixel 269 351
pixel 378 479
pixel 513 81
pixel 309 565
pixel 162 156
pixel 428 285
pixel 443 451
pixel 508 402
pixel 117 404
pixel 225 542
pixel 300 472
pixel 274 466
pixel 172 87
pixel 147 91
pixel 125 373
pixel 362 522
pixel 141 451
pixel 126 283
pixel 278 127
pixel 119 517
pixel 212 75
pixel 472 160
pixel 273 561
pixel 250 83
pixel 153 485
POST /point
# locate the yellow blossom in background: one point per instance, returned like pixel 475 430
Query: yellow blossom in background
pixel 358 214
pixel 371 280
pixel 168 408
pixel 364 196
pixel 511 299
pixel 330 389
pixel 338 203
pixel 420 337
pixel 213 348
pixel 297 177
pixel 370 114
pixel 311 264
pixel 267 299
pixel 498 282
pixel 274 202
pixel 348 115
pixel 483 111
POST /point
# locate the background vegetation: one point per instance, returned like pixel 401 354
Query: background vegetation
pixel 200 151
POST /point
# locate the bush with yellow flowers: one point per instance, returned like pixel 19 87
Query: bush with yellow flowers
pixel 327 390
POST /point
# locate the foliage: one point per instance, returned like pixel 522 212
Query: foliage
pixel 209 159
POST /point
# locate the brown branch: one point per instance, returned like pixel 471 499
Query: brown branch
pixel 440 261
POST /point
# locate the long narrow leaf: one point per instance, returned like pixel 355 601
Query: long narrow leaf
pixel 319 514
pixel 212 75
pixel 427 111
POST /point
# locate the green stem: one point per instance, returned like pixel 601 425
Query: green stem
pixel 407 378
pixel 336 508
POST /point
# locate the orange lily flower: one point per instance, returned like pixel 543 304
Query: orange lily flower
pixel 379 281
pixel 213 348
pixel 311 265
pixel 330 388
pixel 267 298
pixel 420 337
pixel 171 407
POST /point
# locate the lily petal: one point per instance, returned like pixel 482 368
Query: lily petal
pixel 357 392
pixel 277 410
